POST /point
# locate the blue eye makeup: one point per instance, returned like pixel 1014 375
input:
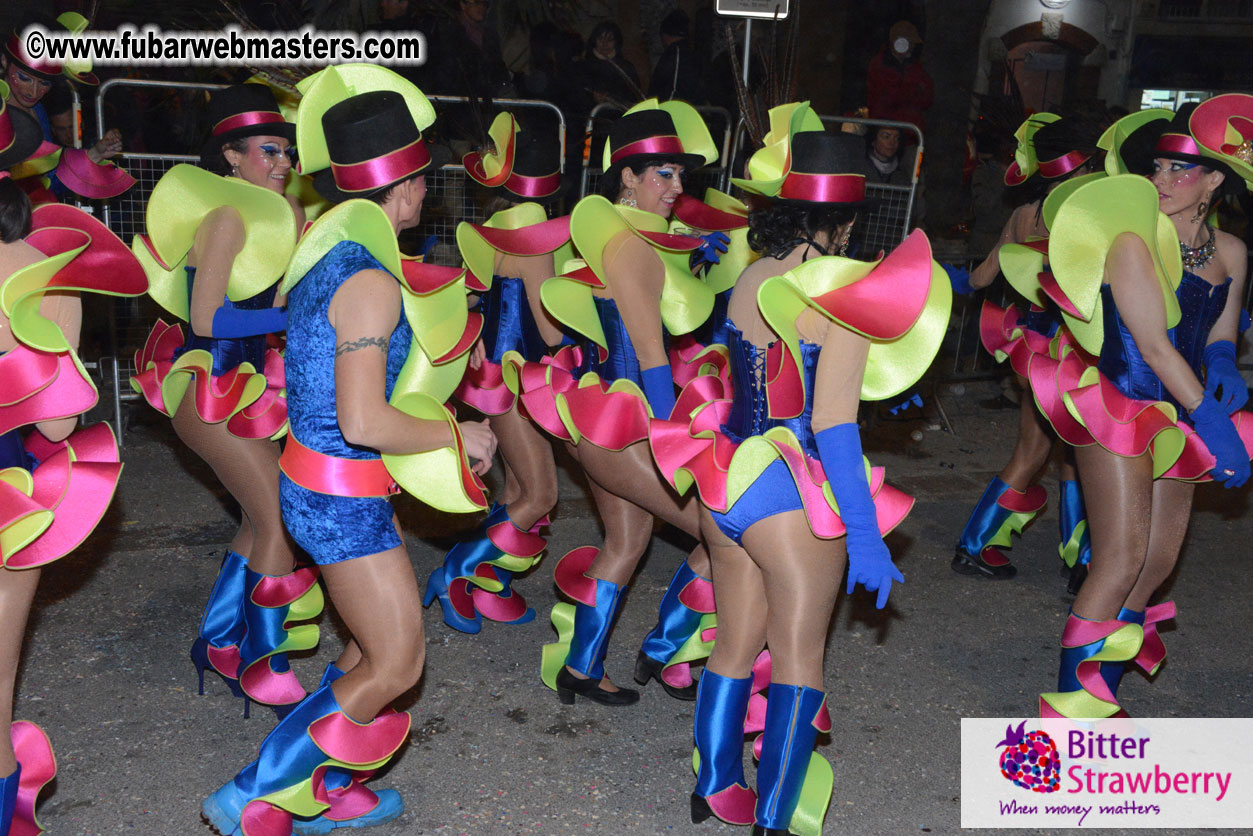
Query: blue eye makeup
pixel 273 151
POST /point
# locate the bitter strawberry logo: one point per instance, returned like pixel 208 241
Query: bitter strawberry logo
pixel 1030 759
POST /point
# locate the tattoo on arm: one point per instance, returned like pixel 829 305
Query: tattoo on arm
pixel 357 345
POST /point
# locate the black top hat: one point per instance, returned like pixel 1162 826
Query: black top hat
pixel 1063 146
pixel 240 111
pixel 20 135
pixel 536 173
pixel 825 170
pixel 45 70
pixel 373 144
pixel 648 133
pixel 1172 139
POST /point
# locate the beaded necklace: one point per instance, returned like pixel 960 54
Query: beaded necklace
pixel 1194 257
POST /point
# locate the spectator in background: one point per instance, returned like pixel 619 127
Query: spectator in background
pixel 470 64
pixel 59 105
pixel 882 163
pixel 607 76
pixel 987 193
pixel 897 86
pixel 678 72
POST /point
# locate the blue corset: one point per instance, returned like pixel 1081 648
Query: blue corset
pixel 508 324
pixel 228 353
pixel 1045 321
pixel 749 411
pixel 714 329
pixel 621 361
pixel 310 357
pixel 1200 304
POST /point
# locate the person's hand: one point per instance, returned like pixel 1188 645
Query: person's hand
pixel 959 277
pixel 1215 428
pixel 1221 372
pixel 713 244
pixel 480 444
pixel 478 353
pixel 110 145
pixel 870 564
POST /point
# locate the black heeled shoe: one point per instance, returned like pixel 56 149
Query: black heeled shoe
pixel 1075 578
pixel 568 685
pixel 646 668
pixel 700 808
pixel 200 658
pixel 758 830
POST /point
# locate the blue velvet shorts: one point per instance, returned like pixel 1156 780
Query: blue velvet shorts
pixel 773 492
pixel 333 529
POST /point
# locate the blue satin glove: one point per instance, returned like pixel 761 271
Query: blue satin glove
pixel 913 400
pixel 1215 428
pixel 713 244
pixel 869 562
pixel 1221 371
pixel 959 278
pixel 659 389
pixel 232 323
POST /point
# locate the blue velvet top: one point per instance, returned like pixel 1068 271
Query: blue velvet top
pixel 310 357
pixel 621 361
pixel 749 411
pixel 1200 304
pixel 229 352
pixel 508 324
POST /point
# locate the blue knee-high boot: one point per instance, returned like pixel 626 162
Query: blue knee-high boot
pixel 588 644
pixel 688 598
pixel 475 578
pixel 353 804
pixel 1075 544
pixel 271 604
pixel 222 627
pixel 721 706
pixel 1000 513
pixel 286 778
pixel 792 718
pixel 8 799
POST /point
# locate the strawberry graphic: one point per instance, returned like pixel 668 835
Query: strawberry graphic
pixel 1030 759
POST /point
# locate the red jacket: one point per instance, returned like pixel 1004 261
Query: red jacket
pixel 900 92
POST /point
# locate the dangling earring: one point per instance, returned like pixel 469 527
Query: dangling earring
pixel 628 199
pixel 848 233
pixel 1200 210
pixel 234 171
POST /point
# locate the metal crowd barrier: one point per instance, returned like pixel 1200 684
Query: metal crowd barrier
pixel 889 222
pixel 695 182
pixel 451 198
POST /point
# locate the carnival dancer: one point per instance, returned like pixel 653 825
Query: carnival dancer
pixel 219 238
pixel 636 287
pixel 51 170
pixel 56 479
pixel 1152 299
pixel 375 346
pixel 1051 150
pixel 508 259
pixel 809 335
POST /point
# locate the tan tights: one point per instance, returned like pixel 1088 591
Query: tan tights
pixel 17 591
pixel 779 589
pixel 248 469
pixel 1137 525
pixel 377 597
pixel 530 471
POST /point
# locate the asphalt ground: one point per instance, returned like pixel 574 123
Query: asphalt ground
pixel 492 751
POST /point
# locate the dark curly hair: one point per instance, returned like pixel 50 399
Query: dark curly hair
pixel 14 212
pixel 777 230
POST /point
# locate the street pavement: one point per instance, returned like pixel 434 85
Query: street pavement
pixel 493 753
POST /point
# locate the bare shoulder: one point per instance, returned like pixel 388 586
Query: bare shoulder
pixel 1232 252
pixel 224 220
pixel 367 284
